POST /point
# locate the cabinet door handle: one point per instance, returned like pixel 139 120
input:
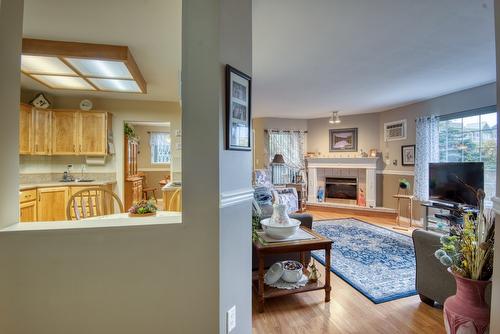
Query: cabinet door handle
pixel 80 147
pixel 74 148
pixel 36 147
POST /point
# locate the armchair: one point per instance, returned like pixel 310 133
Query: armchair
pixel 282 195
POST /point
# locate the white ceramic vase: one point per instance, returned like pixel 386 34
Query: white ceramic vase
pixel 279 216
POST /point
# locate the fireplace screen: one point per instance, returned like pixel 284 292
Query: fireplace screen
pixel 341 188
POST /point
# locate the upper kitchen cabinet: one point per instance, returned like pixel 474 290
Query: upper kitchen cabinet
pixel 41 131
pixel 93 133
pixel 25 129
pixel 65 133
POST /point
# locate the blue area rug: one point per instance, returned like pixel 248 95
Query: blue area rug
pixel 377 262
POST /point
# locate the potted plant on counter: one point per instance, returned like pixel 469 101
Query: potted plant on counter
pixel 143 209
pixel 468 254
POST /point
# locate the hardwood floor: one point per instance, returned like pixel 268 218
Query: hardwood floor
pixel 348 311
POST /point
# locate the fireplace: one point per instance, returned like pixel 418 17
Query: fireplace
pixel 342 189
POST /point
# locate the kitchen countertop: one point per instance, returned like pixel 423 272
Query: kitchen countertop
pixel 63 184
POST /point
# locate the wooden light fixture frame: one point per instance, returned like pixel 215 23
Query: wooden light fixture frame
pixel 62 50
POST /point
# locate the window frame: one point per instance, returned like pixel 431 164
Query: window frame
pixel 463 132
pixel 154 163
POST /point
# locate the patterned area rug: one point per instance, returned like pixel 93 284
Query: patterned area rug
pixel 377 262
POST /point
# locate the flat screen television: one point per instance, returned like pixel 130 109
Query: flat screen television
pixel 453 182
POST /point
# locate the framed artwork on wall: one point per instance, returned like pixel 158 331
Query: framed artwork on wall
pixel 344 140
pixel 408 155
pixel 238 110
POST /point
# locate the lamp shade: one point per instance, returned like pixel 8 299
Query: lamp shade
pixel 278 160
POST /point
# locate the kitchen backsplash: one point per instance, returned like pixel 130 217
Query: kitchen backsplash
pixel 33 178
pixel 58 164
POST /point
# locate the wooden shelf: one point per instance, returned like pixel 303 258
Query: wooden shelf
pixel 270 292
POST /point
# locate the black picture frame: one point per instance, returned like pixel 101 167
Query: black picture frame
pixel 238 110
pixel 351 146
pixel 408 155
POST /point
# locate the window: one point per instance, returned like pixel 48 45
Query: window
pixel 291 145
pixel 471 136
pixel 160 147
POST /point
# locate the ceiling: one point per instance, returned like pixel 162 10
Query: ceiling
pixel 314 57
pixel 150 28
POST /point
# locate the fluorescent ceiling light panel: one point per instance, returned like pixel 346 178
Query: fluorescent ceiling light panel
pixel 44 65
pixel 62 82
pixel 100 68
pixel 116 85
pixel 82 66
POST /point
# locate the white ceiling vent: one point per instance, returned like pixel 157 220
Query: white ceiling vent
pixel 395 130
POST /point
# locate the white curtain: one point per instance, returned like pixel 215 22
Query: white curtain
pixel 160 147
pixel 290 144
pixel 427 150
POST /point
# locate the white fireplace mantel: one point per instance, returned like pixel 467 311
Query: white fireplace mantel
pixel 368 164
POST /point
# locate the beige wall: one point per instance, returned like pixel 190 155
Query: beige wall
pixel 318 134
pixel 122 110
pixel 370 135
pixel 10 48
pixel 130 111
pixel 144 156
pixel 473 98
pixel 143 279
pixel 262 124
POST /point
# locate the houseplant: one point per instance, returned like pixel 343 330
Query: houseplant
pixel 468 254
pixel 143 209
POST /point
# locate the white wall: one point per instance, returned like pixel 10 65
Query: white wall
pixel 495 296
pixel 235 227
pixel 149 279
pixel 10 48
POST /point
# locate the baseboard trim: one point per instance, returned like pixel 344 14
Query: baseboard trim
pixel 396 172
pixel 234 197
pixel 373 212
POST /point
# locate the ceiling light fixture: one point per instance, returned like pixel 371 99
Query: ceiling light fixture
pixel 335 118
pixel 81 66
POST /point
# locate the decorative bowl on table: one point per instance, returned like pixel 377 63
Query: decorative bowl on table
pixel 280 231
pixel 274 273
pixel 292 271
pixel 143 209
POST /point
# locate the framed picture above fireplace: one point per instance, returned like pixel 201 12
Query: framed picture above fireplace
pixel 344 140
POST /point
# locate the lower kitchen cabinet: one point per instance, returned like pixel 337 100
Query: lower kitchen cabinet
pixel 27 212
pixel 51 203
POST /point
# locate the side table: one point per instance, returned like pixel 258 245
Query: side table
pixel 263 249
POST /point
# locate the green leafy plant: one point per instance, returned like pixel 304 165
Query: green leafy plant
pixel 143 207
pixel 129 131
pixel 469 250
pixel 255 226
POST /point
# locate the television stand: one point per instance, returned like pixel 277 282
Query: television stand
pixel 440 221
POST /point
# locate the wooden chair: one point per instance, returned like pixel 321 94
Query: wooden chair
pixel 92 202
pixel 175 203
pixel 146 189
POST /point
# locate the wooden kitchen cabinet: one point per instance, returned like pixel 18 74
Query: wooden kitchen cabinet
pixel 51 203
pixel 27 206
pixel 41 131
pixel 65 127
pixel 93 133
pixel 63 132
pixel 27 212
pixel 25 129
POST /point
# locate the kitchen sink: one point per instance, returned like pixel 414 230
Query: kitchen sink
pixel 78 180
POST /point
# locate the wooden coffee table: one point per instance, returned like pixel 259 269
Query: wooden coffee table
pixel 301 246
